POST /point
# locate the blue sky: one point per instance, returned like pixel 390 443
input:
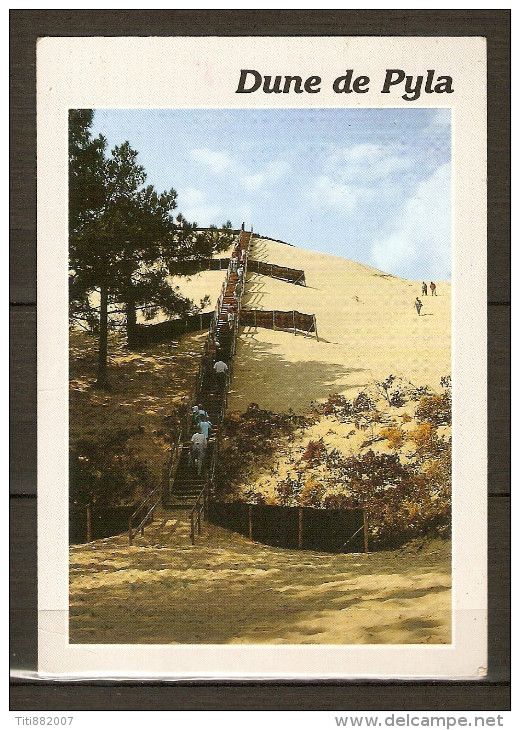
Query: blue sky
pixel 373 185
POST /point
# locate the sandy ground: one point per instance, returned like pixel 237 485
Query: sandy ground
pixel 227 590
pixel 368 328
pixel 196 287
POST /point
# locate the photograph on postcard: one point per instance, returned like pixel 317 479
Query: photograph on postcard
pixel 261 343
pixel 260 376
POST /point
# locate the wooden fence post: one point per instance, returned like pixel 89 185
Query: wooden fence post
pixel 274 320
pixel 365 529
pixel 250 515
pixel 293 322
pixel 89 523
pixel 300 529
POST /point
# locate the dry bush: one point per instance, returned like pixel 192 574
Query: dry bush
pixel 312 493
pixel 435 409
pixel 250 440
pixel 425 439
pixel 288 491
pixel 315 452
pixel 400 502
pixel 394 435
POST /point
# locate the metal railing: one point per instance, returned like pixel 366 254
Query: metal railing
pixel 144 513
pixel 200 508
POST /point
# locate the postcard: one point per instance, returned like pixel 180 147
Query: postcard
pixel 262 357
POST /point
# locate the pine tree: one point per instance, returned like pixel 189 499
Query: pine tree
pixel 124 240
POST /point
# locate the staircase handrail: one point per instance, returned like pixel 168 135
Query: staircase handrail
pixel 153 497
pixel 200 507
pixel 194 399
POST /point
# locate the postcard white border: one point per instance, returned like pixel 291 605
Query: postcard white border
pixel 203 73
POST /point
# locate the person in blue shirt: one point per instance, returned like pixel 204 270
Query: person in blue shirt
pixel 205 427
pixel 198 414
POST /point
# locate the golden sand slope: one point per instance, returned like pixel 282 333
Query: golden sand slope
pixel 367 325
pixel 226 589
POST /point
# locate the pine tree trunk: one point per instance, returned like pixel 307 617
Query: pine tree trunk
pixel 131 325
pixel 103 338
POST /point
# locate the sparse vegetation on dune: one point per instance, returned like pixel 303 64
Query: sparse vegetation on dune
pixel 388 450
pixel 119 437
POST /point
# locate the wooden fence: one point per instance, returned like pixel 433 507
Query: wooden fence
pixel 93 523
pixel 303 528
pixel 292 321
pixel 294 276
pixel 146 334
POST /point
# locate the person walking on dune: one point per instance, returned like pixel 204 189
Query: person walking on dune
pixel 424 289
pixel 220 369
pixel 418 305
pixel 198 450
pixel 231 317
pixel 433 289
pixel 205 427
pixel 198 414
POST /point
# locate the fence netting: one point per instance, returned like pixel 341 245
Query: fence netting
pixel 274 319
pixel 145 334
pixel 330 530
pixel 104 522
pixel 295 276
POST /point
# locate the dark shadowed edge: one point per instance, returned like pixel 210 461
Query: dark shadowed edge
pixel 26 26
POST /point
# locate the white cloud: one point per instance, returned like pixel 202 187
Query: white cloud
pixel 367 164
pixel 420 237
pixel 355 176
pixel 217 162
pixel 253 182
pixel 441 120
pixel 327 193
pixel 205 215
pixel 190 197
pixel 195 207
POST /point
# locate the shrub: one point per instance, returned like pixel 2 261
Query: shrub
pixel 423 436
pixel 250 440
pixel 445 381
pixel 420 392
pixel 288 491
pixel 315 452
pixel 335 404
pixel 435 409
pixel 253 496
pixel 371 471
pixel 394 435
pixel 340 500
pixel 312 493
pixel 362 403
pixel 394 399
pixel 112 475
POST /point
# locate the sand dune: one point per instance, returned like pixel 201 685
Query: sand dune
pixel 226 589
pixel 368 328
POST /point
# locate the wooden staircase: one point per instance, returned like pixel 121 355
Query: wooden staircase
pixel 186 486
